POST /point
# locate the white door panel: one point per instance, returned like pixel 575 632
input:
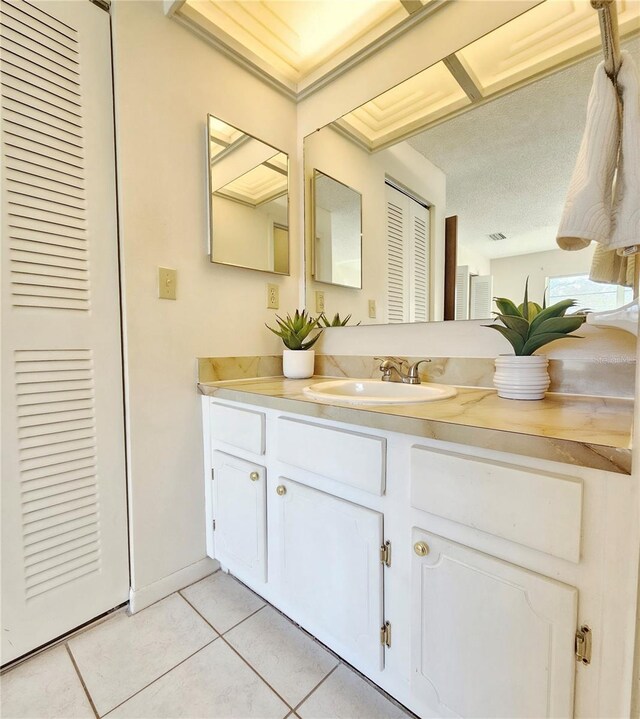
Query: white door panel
pixel 330 570
pixel 64 532
pixel 491 639
pixel 240 513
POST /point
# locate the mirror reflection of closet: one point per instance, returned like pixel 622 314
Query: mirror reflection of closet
pixel 248 200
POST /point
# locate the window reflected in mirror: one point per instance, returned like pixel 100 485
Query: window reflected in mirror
pixel 337 232
pixel 248 200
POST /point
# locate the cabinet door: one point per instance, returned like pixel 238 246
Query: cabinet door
pixel 490 639
pixel 330 570
pixel 240 516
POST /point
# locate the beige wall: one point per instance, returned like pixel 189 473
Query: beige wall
pixel 509 273
pixel 166 81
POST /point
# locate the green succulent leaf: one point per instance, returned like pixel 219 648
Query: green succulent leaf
pixel 559 309
pixel 515 323
pixel 564 325
pixel 507 307
pixel 514 338
pixel 539 340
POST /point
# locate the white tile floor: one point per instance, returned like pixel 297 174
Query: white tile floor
pixel 214 649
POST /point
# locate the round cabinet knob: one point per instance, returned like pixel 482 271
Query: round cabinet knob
pixel 421 549
pixel 254 476
pixel 281 490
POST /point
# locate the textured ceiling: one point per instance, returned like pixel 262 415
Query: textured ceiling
pixel 508 162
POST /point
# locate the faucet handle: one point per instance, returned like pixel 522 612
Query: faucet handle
pixel 413 376
pixel 400 361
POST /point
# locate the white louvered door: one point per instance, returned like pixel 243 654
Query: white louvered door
pixel 481 297
pixel 408 258
pixel 64 534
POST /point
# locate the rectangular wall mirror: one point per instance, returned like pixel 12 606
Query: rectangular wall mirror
pixel 248 200
pixel 488 137
pixel 337 232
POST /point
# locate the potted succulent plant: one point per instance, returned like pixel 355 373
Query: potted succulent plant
pixel 337 321
pixel 528 327
pixel 295 332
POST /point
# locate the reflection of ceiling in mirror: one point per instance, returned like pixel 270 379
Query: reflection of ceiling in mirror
pixel 261 184
pixel 294 38
pixel 334 196
pixel 508 163
pixel 432 93
pixel 550 35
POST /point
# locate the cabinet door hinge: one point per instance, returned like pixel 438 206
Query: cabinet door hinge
pixel 213 473
pixel 583 645
pixel 385 554
pixel 214 525
pixel 385 634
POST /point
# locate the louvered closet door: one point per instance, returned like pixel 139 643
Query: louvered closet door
pixel 408 258
pixel 64 536
pixel 397 256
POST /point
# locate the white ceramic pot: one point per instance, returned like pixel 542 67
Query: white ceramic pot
pixel 521 377
pixel 298 364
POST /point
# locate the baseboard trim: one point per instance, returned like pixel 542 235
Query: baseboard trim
pixel 144 597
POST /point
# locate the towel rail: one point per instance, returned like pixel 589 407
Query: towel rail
pixel 608 17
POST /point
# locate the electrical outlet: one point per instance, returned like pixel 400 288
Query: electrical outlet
pixel 273 296
pixel 319 301
pixel 372 309
pixel 167 280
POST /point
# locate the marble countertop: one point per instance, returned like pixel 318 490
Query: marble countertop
pixel 574 429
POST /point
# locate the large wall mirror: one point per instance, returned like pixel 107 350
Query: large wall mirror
pixel 487 136
pixel 248 200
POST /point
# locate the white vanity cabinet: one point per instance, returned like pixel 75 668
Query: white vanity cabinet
pixel 456 578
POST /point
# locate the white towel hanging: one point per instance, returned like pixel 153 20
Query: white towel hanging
pixel 626 203
pixel 594 210
pixel 587 211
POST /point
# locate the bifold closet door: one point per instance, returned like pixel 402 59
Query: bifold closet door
pixel 408 258
pixel 64 530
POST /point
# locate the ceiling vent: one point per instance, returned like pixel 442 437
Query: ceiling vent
pixel 496 236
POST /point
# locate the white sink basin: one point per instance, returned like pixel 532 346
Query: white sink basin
pixel 371 391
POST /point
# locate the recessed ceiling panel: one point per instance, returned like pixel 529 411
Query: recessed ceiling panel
pixel 292 37
pixel 411 105
pixel 547 36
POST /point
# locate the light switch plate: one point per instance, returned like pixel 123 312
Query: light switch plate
pixel 319 301
pixel 273 296
pixel 372 309
pixel 167 280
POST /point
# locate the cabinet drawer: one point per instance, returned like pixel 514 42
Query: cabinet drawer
pixel 348 457
pixel 537 509
pixel 236 427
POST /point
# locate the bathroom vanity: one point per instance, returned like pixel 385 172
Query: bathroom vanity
pixel 472 556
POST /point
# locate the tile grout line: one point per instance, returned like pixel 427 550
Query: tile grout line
pixel 317 686
pixel 182 661
pixel 211 625
pixel 233 649
pixel 79 673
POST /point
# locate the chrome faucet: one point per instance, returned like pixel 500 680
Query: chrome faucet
pixel 393 370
